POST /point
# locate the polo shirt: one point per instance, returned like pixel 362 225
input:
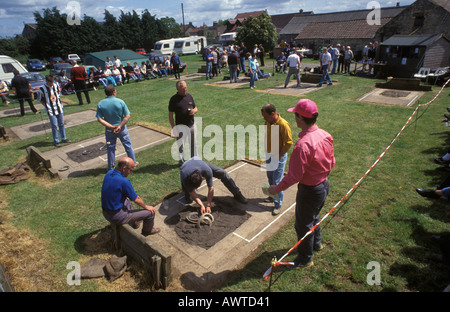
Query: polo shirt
pixel 284 135
pixel 115 189
pixel 112 109
pixel 311 160
pixel 21 85
pixel 190 166
pixel 179 105
pixel 293 60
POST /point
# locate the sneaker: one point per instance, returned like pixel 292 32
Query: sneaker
pixel 66 141
pixel 439 161
pixel 318 248
pixel 301 266
pixel 276 210
pixel 240 198
pixel 57 144
pixel 268 200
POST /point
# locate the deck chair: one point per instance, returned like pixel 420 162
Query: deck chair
pixel 423 73
pixel 440 71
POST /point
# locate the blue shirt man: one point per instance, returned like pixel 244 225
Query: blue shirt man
pixel 116 194
pixel 113 113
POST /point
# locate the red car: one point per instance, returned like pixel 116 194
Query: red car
pixel 141 51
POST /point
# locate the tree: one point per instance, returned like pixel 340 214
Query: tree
pixel 258 30
pixel 171 28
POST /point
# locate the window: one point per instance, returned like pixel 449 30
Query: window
pixel 8 68
pixel 419 19
pixel 188 44
pixel 166 45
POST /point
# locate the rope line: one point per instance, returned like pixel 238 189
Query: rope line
pixel 276 262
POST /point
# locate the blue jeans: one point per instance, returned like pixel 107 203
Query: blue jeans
pixel 208 70
pixel 252 78
pixel 233 73
pixel 333 71
pixel 242 59
pixel 325 75
pixel 274 177
pixel 310 200
pixel 57 122
pixel 111 139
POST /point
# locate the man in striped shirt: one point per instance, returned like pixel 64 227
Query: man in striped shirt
pixel 310 164
pixel 50 97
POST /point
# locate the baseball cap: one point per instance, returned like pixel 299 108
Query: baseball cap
pixel 305 107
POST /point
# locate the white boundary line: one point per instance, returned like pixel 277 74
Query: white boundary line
pixel 234 233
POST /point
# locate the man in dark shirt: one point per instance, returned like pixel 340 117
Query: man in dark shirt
pixel 22 87
pixel 78 75
pixel 192 173
pixel 233 66
pixel 183 127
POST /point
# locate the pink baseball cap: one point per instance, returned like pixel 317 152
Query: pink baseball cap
pixel 305 107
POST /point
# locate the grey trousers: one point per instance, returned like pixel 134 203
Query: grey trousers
pixel 310 200
pixel 128 215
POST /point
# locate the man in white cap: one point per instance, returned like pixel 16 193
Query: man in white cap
pixel 310 164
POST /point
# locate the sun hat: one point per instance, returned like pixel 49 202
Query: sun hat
pixel 305 107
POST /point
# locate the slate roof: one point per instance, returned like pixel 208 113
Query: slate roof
pixel 356 29
pixel 300 21
pixel 424 40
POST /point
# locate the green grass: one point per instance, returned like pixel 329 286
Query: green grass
pixel 383 220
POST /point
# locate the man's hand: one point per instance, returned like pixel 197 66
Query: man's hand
pixel 151 208
pixel 204 209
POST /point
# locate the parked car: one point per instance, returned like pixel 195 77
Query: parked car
pixel 35 64
pixel 162 57
pixel 36 80
pixel 141 51
pixel 73 57
pixel 54 60
pixel 57 68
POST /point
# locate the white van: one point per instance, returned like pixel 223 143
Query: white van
pixel 164 47
pixel 189 45
pixel 7 66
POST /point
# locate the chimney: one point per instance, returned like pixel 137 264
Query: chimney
pixel 398 4
pixel 301 11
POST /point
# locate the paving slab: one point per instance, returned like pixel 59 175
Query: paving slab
pixel 205 269
pixel 43 126
pixel 12 111
pixel 77 158
pixel 391 97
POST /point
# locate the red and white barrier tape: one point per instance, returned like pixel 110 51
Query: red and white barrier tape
pixel 275 262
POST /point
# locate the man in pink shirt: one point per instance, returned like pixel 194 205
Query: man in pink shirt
pixel 310 164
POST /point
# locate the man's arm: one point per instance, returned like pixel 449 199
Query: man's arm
pixel 105 123
pixel 123 123
pixel 140 203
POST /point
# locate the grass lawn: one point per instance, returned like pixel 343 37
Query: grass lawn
pixel 48 223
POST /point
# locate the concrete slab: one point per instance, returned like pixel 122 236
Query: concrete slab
pixel 74 159
pixel 8 112
pixel 205 269
pixel 391 97
pixel 43 126
pixel 292 88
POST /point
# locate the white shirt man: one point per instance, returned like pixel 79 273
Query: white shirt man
pixel 294 68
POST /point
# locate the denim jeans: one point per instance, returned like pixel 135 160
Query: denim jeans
pixel 57 122
pixel 111 139
pixel 310 200
pixel 274 177
pixel 252 78
pixel 233 73
pixel 242 59
pixel 208 70
pixel 325 75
